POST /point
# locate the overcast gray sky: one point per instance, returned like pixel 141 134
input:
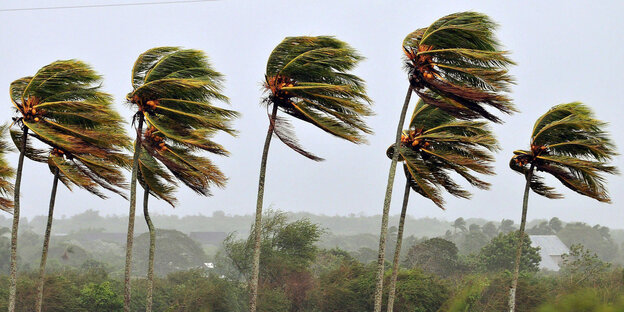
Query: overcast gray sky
pixel 566 51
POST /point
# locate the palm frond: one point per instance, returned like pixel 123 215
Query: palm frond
pixel 456 64
pixel 6 173
pixel 569 143
pixel 436 145
pixel 63 107
pixel 308 79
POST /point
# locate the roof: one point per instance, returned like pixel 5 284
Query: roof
pixel 551 247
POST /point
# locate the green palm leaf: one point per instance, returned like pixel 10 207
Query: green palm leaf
pixel 456 64
pixel 64 109
pixel 174 90
pixel 437 145
pixel 571 145
pixel 307 78
pixel 6 174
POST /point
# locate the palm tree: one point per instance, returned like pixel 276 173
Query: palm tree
pixel 454 64
pixel 6 173
pixel 436 145
pixel 173 89
pixel 61 106
pixel 86 171
pixel 459 223
pixel 571 145
pixel 307 78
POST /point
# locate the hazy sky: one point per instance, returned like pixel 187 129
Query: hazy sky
pixel 566 51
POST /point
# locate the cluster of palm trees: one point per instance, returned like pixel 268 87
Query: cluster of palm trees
pixel 455 66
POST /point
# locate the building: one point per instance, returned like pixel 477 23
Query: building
pixel 551 249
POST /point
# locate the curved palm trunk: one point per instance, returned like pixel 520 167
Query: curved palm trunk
pixel 152 248
pixel 397 251
pixel 255 272
pixel 386 207
pixel 14 229
pixel 130 235
pixel 46 242
pixel 514 281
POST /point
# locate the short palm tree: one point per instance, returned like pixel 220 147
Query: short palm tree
pixel 308 78
pixel 435 146
pixel 61 106
pixel 571 145
pixel 173 91
pixel 6 173
pixel 455 64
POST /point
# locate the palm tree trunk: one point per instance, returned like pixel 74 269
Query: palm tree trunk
pixel 46 242
pixel 397 251
pixel 255 271
pixel 386 207
pixel 152 248
pixel 130 235
pixel 14 229
pixel 525 202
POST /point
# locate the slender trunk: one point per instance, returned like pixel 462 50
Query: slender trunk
pixel 46 242
pixel 386 207
pixel 14 229
pixel 397 251
pixel 255 272
pixel 130 235
pixel 152 249
pixel 514 281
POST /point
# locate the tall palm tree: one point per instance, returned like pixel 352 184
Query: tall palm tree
pixel 455 64
pixel 6 173
pixel 173 91
pixel 571 145
pixel 308 78
pixel 86 171
pixel 435 146
pixel 61 106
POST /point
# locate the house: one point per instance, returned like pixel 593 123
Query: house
pixel 551 249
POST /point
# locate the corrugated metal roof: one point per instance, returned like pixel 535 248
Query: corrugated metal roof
pixel 551 247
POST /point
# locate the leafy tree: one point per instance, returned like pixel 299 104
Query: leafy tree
pixel 6 173
pixel 100 298
pixel 581 265
pixel 437 256
pixel 173 91
pixel 490 230
pixel 555 224
pixel 472 242
pixel 507 226
pixel 436 146
pixel 176 251
pixel 459 223
pixel 543 228
pixel 455 64
pixel 63 107
pixel 569 143
pixel 498 254
pixel 308 78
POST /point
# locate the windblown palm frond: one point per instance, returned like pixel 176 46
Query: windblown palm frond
pixel 456 64
pixel 307 78
pixel 6 173
pixel 570 144
pixel 63 107
pixel 174 91
pixel 436 145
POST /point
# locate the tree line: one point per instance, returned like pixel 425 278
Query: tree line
pixel 455 66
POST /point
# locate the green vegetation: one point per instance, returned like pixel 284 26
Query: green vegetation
pixel 301 262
